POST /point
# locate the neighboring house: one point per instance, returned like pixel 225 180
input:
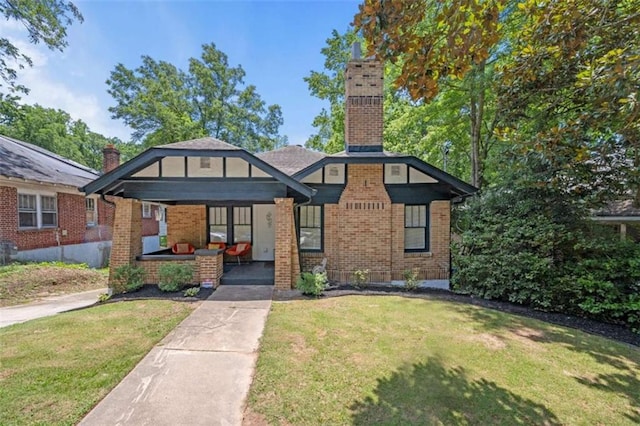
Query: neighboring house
pixel 622 216
pixel 361 209
pixel 43 212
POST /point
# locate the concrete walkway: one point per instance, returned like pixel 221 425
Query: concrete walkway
pixel 200 373
pixel 47 307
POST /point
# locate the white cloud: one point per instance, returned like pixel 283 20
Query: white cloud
pixel 55 91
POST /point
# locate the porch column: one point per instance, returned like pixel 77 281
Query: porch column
pixel 287 265
pixel 127 234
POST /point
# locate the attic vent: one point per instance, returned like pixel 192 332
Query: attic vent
pixel 205 162
pixel 333 171
pixel 365 100
pixel 365 206
pixel 395 170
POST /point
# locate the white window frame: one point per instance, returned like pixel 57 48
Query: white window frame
pixel 146 210
pixel 39 209
pixel 426 227
pixel 94 211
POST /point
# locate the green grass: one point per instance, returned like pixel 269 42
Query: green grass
pixel 54 370
pixel 394 360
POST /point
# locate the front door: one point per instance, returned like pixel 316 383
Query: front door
pixel 264 232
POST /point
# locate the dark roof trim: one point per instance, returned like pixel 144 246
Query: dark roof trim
pixel 111 179
pixel 463 188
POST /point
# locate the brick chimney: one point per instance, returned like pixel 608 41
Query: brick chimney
pixel 364 80
pixel 110 158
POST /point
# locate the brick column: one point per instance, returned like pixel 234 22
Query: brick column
pixel 285 265
pixel 127 234
pixel 210 266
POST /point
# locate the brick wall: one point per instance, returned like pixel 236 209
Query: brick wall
pixel 287 267
pixel 127 238
pixel 210 268
pixel 71 218
pixel 366 231
pixel 187 224
pixel 150 226
pixel 363 103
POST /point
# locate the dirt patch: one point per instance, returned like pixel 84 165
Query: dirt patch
pixel 31 282
pixel 610 331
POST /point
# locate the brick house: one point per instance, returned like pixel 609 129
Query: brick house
pixel 361 209
pixel 44 214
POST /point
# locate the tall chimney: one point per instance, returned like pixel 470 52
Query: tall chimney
pixel 364 80
pixel 110 158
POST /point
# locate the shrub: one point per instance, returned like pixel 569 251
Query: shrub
pixel 311 284
pixel 360 278
pixel 103 297
pixel 410 280
pixel 174 276
pixel 192 292
pixel 127 278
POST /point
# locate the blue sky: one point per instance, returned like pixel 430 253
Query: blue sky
pixel 277 43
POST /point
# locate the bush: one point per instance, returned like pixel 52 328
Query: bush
pixel 192 292
pixel 127 278
pixel 174 276
pixel 410 280
pixel 311 284
pixel 360 278
pixel 533 245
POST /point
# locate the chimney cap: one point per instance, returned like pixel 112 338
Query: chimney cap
pixel 356 52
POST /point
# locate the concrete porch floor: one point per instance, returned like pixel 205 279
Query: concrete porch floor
pixel 254 273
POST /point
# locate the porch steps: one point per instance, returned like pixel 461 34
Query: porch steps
pixel 254 273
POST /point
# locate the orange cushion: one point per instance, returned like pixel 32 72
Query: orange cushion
pixel 240 247
pixel 183 248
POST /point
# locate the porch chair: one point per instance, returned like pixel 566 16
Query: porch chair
pixel 217 246
pixel 322 267
pixel 183 248
pixel 238 250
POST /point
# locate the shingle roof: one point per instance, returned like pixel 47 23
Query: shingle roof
pixel 202 143
pixel 623 208
pixel 291 159
pixel 23 160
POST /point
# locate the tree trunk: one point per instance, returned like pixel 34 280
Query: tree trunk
pixel 477 93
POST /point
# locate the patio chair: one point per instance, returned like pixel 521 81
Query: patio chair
pixel 217 246
pixel 238 250
pixel 322 267
pixel 183 248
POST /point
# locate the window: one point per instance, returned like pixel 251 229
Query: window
pixel 27 211
pixel 91 213
pixel 416 237
pixel 218 224
pixel 146 210
pixel 310 232
pixel 37 211
pixel 49 211
pixel 241 224
pixel 205 162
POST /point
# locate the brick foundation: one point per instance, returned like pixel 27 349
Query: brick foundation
pixel 151 268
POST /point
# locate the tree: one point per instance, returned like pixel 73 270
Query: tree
pixel 565 73
pixel 164 104
pixel 54 130
pixel 45 21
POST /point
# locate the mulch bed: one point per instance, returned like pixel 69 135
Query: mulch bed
pixel 151 291
pixel 610 331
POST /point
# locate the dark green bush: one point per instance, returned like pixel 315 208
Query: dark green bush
pixel 311 284
pixel 534 245
pixel 127 278
pixel 174 276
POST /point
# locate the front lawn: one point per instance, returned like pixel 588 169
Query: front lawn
pixel 27 282
pixel 393 360
pixel 54 370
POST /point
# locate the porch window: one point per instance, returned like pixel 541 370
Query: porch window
pixel 310 231
pixel 91 212
pixel 27 211
pixel 416 228
pixel 218 224
pixel 241 224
